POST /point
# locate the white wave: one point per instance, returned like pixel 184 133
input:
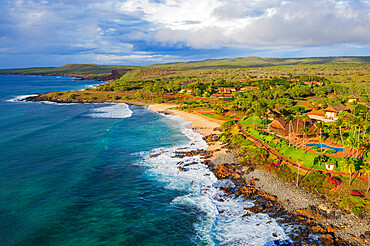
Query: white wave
pixel 90 86
pixel 223 223
pixel 20 98
pixel 116 110
pixel 56 103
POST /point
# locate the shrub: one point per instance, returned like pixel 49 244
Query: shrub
pixel 228 124
pixel 356 204
pixel 357 193
pixel 358 210
pixel 72 96
pixel 331 151
pixel 316 148
pixel 237 139
pixel 333 182
pixel 314 180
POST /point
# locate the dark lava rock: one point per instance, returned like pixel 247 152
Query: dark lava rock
pixel 327 239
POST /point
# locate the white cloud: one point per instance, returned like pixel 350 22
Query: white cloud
pixel 172 30
pixel 239 23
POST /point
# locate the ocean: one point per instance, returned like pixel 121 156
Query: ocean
pixel 81 174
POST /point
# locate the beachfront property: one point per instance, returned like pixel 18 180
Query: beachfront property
pixel 314 83
pixel 226 89
pixel 184 90
pixel 332 111
pixel 272 114
pixel 247 88
pixel 354 98
pixel 282 128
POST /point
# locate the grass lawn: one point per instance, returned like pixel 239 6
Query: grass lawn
pixel 292 153
pixel 251 121
pixel 214 116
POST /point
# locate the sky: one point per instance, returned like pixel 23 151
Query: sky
pixel 39 33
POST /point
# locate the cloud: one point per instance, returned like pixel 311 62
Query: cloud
pixel 173 30
pixel 239 23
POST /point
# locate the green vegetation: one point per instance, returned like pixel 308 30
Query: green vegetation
pixel 78 69
pixel 286 103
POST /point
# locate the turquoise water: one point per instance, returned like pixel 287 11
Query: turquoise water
pixel 80 174
pixel 326 146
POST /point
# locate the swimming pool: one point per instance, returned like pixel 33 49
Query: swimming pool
pixel 326 146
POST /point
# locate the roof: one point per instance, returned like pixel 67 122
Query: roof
pixel 336 108
pixel 355 95
pixel 282 124
pixel 315 98
pixel 279 123
pixel 248 88
pixel 277 108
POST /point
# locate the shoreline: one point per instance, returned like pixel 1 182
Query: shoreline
pixel 317 213
pixel 204 125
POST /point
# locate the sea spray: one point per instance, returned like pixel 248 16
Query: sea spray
pixel 221 220
pixel 113 110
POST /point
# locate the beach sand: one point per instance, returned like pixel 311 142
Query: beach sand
pixel 292 198
pixel 204 124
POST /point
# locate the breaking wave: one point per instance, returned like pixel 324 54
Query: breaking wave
pixel 117 111
pixel 20 98
pixel 221 221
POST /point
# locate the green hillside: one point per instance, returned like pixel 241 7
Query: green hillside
pixel 83 69
pixel 247 62
pixel 262 62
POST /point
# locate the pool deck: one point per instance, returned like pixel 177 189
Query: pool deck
pixel 346 153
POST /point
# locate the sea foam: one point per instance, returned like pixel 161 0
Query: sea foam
pixel 116 110
pixel 223 222
pixel 20 98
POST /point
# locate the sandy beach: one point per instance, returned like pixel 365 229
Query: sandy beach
pixel 204 124
pixel 294 199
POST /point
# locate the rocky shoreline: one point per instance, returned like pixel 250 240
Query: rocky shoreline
pixel 115 74
pixel 316 216
pixel 317 221
pixel 41 97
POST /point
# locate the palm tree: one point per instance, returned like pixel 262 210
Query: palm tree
pixel 365 169
pixel 297 117
pixel 320 126
pixel 289 119
pixel 299 161
pixel 305 131
pixel 304 118
pixel 352 144
pixel 340 123
pixel 347 165
pixel 365 115
pixel 320 159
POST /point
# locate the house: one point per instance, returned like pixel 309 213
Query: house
pixel 272 114
pixel 186 90
pixel 281 127
pixel 315 98
pixel 221 95
pixel 248 88
pixel 314 83
pixel 333 110
pixel 226 89
pixel 354 98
